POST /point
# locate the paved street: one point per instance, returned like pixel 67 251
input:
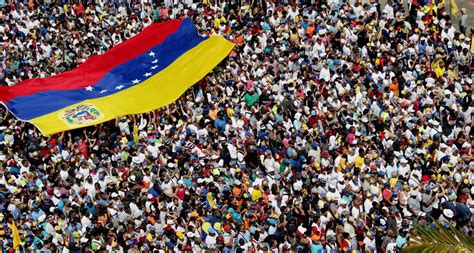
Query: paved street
pixel 469 5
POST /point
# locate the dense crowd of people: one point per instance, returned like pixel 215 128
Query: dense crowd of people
pixel 332 126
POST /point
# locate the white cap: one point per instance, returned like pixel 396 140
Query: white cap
pixel 136 159
pixel 448 213
pixel 301 229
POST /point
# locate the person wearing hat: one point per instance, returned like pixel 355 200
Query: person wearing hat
pixel 463 212
pixel 404 168
pixel 447 216
pixel 414 205
pixel 123 125
pixel 316 113
pixel 316 245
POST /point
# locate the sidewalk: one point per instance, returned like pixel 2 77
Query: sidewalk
pixel 468 4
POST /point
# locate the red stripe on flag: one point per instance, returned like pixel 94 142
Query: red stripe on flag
pixel 88 73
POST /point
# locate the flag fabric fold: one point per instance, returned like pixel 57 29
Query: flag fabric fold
pixel 472 44
pixel 16 236
pixel 454 8
pixel 146 72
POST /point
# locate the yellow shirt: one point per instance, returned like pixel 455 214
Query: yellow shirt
pixel 124 140
pixel 393 182
pixel 452 73
pixel 359 162
pixel 230 112
pixel 439 71
pixel 218 21
pixel 384 116
pixel 295 38
pixel 256 194
pixel 437 68
pixel 342 165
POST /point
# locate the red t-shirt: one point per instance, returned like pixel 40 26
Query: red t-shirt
pixel 78 9
pixel 345 244
pixel 387 194
pixel 181 193
pixel 84 149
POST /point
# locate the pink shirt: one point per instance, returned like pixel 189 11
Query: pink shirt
pixel 351 137
pixel 285 142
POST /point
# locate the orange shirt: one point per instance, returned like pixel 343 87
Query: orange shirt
pixel 246 224
pixel 236 191
pixel 239 40
pixel 310 30
pixel 103 219
pixel 239 202
pixel 151 219
pixel 265 198
pixel 394 87
pixel 213 113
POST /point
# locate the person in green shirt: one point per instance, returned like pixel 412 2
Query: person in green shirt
pixel 251 97
pixel 124 155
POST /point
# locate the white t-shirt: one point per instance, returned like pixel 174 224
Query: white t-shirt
pixel 153 151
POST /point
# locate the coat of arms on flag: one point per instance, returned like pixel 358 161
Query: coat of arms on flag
pixel 81 115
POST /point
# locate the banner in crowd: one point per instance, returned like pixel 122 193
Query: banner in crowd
pixel 146 72
pixel 454 8
pixel 16 236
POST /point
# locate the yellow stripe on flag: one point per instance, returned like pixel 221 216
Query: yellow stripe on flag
pixel 157 91
pixel 454 8
pixel 135 133
pixel 472 44
pixel 210 200
pixel 16 236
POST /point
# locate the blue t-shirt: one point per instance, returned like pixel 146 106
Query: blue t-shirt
pixel 316 248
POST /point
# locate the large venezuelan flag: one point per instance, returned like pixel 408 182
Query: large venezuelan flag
pixel 144 73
